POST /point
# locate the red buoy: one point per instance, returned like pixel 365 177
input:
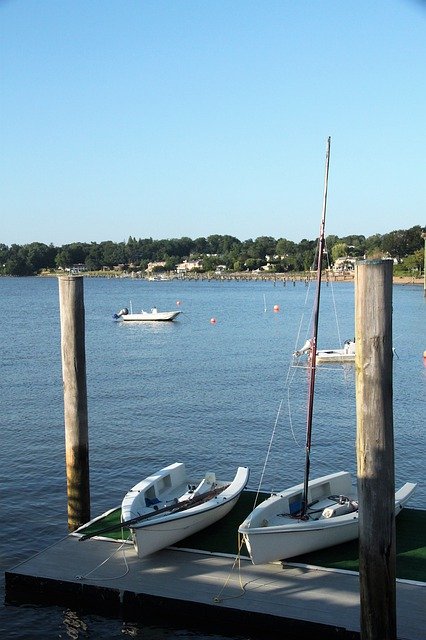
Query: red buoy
pixel 276 307
pixel 212 320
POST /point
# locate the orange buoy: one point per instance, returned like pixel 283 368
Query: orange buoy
pixel 276 307
pixel 212 320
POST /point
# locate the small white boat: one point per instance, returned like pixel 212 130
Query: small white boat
pixel 347 354
pixel 323 356
pixel 145 316
pixel 275 529
pixel 167 506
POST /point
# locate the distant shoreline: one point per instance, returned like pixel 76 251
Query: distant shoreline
pixel 240 276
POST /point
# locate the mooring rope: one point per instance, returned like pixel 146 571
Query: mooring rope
pixel 218 598
pixel 120 548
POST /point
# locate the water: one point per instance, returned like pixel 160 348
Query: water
pixel 192 391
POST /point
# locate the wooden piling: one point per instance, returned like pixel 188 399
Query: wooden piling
pixel 375 449
pixel 75 399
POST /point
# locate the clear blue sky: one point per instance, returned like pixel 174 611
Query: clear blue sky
pixel 171 118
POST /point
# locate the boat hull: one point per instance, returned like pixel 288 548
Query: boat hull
pixel 271 533
pixel 159 316
pixel 334 355
pixel 171 507
pixel 152 538
pixel 345 355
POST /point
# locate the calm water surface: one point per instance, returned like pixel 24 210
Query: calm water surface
pixel 205 394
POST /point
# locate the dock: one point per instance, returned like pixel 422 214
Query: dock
pixel 219 592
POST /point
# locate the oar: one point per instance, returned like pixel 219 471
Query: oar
pixel 175 507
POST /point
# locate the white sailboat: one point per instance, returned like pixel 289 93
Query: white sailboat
pixel 317 513
pixel 168 506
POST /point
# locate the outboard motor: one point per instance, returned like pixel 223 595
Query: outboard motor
pixel 122 312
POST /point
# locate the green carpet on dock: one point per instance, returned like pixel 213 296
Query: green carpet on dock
pixel 222 537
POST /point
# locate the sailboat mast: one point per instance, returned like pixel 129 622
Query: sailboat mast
pixel 314 339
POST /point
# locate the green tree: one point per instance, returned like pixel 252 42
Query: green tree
pixel 41 256
pixel 415 261
pixel 339 250
pixel 17 263
pixel 285 247
pixel 94 259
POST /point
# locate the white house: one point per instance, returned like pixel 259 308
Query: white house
pixel 189 265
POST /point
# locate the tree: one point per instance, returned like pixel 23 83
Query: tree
pixel 94 259
pixel 17 263
pixel 339 250
pixel 402 243
pixel 40 256
pixel 415 261
pixel 285 247
pixel 113 253
pixel 70 254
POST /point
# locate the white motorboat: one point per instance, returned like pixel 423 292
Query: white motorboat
pixel 146 316
pixel 343 356
pixel 317 513
pixel 168 506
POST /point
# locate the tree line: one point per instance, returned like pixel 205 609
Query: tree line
pixel 406 247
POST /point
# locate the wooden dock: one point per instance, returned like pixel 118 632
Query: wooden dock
pixel 195 589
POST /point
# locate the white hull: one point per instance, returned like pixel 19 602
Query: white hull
pixel 347 354
pixel 170 487
pixel 271 533
pixel 335 355
pixel 148 316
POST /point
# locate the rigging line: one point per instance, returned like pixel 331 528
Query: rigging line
pixel 267 453
pixel 290 418
pixel 333 298
pixel 289 381
pixel 305 304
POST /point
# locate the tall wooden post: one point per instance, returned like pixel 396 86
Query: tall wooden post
pixel 75 399
pixel 375 449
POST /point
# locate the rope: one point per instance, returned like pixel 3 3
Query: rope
pixel 218 598
pixel 120 548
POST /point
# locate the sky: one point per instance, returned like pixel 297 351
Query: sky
pixel 173 118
